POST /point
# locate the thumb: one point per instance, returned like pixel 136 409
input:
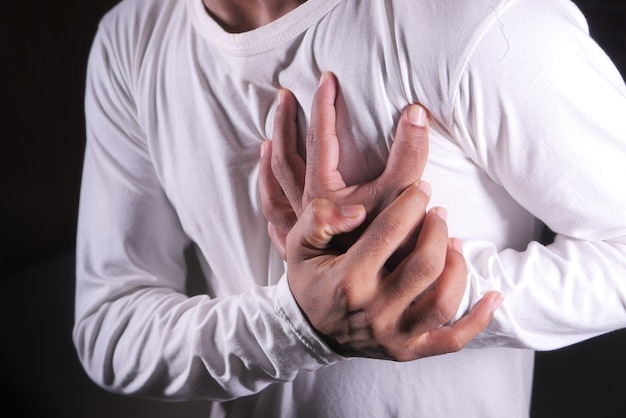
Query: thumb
pixel 409 151
pixel 319 223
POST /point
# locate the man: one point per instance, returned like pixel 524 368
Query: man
pixel 527 125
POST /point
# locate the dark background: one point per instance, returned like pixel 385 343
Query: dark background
pixel 44 54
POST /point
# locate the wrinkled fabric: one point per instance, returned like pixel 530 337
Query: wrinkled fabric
pixel 527 129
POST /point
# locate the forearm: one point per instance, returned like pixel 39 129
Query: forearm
pixel 551 136
pixel 158 342
pixel 555 295
pixel 135 329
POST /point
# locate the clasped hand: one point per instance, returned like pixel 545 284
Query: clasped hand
pixel 374 273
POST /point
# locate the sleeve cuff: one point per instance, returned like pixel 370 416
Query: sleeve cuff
pixel 288 310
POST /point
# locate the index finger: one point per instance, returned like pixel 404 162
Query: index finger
pixel 322 144
pixel 392 226
pixel 287 165
pixel 452 338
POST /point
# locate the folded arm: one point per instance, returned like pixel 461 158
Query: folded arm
pixel 553 135
pixel 136 331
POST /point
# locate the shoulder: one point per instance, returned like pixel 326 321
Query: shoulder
pixel 138 12
pixel 435 40
pixel 447 35
pixel 129 31
pixel 453 24
pixel 138 21
pixel 531 38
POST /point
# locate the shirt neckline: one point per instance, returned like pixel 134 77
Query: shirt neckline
pixel 263 38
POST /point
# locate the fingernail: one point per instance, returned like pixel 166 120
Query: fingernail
pixel 497 301
pixel 457 245
pixel 351 211
pixel 323 78
pixel 425 187
pixel 417 115
pixel 442 213
pixel 279 97
pixel 263 148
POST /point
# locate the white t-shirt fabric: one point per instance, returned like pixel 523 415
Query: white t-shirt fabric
pixel 528 128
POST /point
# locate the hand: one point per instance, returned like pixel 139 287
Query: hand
pixel 358 307
pixel 287 170
pixel 362 317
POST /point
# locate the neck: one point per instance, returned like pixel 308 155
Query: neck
pixel 237 16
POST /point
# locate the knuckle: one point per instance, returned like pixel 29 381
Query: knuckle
pixel 312 140
pixel 318 204
pixel 312 134
pixel 280 167
pixel 348 290
pixel 319 210
pixel 405 349
pixel 382 331
pixel 314 171
pixel 358 295
pixel 444 311
pixel 426 266
pixel 455 344
pixel 269 207
pixel 386 191
pixel 405 355
pixel 391 190
pixel 382 192
pixel 363 252
pixel 389 228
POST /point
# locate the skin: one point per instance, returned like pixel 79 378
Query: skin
pixel 405 166
pixel 237 16
pixel 338 241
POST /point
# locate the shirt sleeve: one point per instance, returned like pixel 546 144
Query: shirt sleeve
pixel 543 110
pixel 135 329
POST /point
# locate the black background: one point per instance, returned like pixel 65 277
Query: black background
pixel 44 55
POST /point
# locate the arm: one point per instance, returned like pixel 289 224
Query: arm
pixel 135 329
pixel 552 132
pixel 540 108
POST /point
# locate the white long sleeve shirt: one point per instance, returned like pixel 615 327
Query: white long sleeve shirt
pixel 529 127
